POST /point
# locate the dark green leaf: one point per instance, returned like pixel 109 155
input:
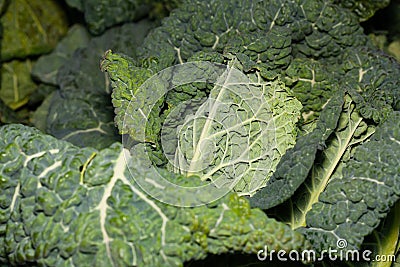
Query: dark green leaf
pixel 63 205
pixel 31 28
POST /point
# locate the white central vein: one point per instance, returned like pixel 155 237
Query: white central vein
pixel 208 124
pixel 119 174
pixel 55 165
pixel 102 207
pixel 145 198
pixel 78 132
pixel 38 155
pixel 14 198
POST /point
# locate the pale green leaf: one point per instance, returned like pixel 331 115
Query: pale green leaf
pixel 238 135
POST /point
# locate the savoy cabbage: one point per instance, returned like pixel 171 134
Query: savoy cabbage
pixel 85 205
pixel 254 123
pixel 276 121
pixel 320 52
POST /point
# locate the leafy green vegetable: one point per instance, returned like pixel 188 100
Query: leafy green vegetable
pixel 386 238
pixel 127 77
pixel 40 94
pixel 295 165
pixel 93 127
pixel 371 81
pixel 363 8
pixel 313 83
pixel 16 83
pixel 238 135
pixel 47 66
pixel 304 42
pixel 391 48
pixel 350 131
pixel 31 28
pixel 315 47
pixel 362 189
pixel 308 130
pixel 89 211
pixel 39 117
pixel 394 49
pixel 102 14
pixel 342 198
pixel 90 97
